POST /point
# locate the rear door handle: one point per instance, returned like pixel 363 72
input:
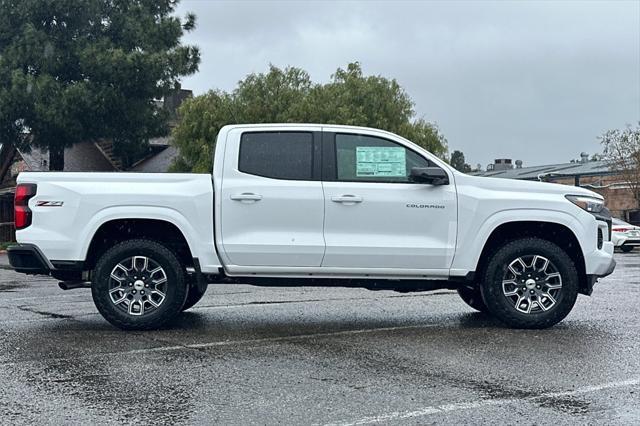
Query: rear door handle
pixel 347 199
pixel 246 197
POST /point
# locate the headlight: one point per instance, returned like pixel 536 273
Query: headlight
pixel 590 204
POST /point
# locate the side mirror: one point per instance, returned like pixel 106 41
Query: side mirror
pixel 430 175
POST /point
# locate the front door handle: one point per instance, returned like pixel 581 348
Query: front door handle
pixel 347 199
pixel 246 197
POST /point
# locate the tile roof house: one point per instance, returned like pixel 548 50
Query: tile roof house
pixel 89 156
pixel 81 157
pixel 157 163
pixel 95 156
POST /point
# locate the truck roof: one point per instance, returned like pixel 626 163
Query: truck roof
pixel 333 127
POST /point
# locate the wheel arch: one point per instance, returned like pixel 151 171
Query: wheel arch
pixel 557 233
pixel 164 216
pixel 113 231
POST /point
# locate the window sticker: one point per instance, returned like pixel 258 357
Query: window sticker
pixel 381 161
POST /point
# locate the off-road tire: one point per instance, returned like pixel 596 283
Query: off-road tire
pixel 500 306
pixel 176 288
pixel 472 297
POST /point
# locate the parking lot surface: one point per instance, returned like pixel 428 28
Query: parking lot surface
pixel 250 355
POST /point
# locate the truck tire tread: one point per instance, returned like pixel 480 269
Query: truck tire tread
pixel 496 302
pixel 176 276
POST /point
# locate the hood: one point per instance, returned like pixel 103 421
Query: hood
pixel 502 184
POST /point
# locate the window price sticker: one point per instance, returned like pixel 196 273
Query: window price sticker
pixel 381 161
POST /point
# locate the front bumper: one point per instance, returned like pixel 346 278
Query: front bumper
pixel 609 270
pixel 599 263
pixel 631 242
pixel 603 264
pixel 28 259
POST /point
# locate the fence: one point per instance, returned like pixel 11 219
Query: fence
pixel 7 228
pixel 7 232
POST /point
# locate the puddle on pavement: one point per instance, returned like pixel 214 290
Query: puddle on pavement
pixel 127 394
pixel 10 287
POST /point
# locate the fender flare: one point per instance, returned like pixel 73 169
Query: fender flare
pixel 110 214
pixel 497 219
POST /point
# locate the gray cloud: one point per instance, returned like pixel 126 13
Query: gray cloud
pixel 537 81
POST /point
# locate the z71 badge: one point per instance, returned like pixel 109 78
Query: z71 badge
pixel 49 203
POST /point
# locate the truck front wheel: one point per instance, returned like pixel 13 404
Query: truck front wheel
pixel 139 285
pixel 530 283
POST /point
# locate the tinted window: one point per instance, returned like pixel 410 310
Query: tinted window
pixel 367 158
pixel 278 155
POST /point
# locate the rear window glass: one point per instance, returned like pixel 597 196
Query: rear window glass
pixel 277 155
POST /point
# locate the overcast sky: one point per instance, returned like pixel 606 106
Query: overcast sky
pixel 537 81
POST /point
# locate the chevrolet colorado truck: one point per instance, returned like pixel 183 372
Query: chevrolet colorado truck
pixel 320 205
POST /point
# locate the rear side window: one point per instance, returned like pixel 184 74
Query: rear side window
pixel 277 155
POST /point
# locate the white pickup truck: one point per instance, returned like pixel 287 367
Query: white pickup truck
pixel 325 205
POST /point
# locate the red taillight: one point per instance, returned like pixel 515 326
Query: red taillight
pixel 621 229
pixel 22 212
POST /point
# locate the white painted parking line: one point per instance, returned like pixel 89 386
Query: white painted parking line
pixel 196 346
pixel 279 338
pixel 86 297
pixel 459 406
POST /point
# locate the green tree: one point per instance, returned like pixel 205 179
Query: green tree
pixel 76 70
pixel 458 162
pixel 288 95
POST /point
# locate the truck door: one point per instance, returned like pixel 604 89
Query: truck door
pixel 375 216
pixel 272 203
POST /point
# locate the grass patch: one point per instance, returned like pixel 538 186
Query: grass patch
pixel 4 245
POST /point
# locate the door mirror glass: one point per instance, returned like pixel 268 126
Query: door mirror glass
pixel 430 175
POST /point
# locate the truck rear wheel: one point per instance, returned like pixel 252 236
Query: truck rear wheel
pixel 139 285
pixel 530 283
pixel 473 298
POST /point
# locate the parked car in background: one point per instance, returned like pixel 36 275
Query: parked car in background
pixel 624 235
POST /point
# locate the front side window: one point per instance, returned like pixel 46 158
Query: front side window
pixel 277 155
pixel 373 159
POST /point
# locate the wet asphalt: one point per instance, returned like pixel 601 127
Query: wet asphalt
pixel 250 355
